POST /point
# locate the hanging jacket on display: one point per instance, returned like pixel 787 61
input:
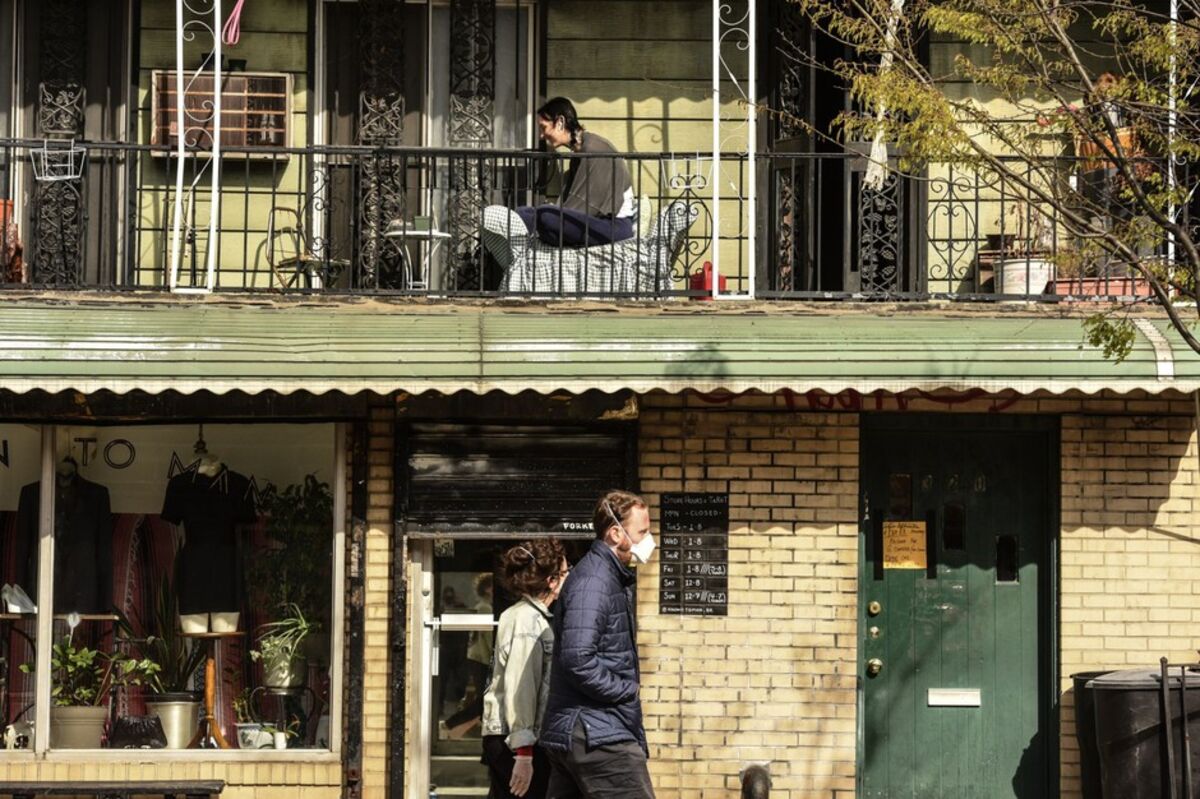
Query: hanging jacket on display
pixel 83 528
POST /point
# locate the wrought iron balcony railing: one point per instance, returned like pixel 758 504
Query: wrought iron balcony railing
pixel 432 222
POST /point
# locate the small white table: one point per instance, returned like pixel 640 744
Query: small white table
pixel 429 239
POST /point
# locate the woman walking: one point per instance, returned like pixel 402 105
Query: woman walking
pixel 516 698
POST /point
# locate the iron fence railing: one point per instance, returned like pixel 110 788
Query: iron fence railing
pixel 435 222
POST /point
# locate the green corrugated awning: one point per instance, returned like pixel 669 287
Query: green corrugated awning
pixel 220 346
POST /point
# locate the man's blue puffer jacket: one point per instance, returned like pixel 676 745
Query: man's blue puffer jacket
pixel 594 675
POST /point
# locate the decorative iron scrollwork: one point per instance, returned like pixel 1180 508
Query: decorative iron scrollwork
pixel 381 119
pixel 471 121
pixel 952 231
pixel 381 99
pixel 60 109
pixel 879 247
pixel 789 39
pixel 786 219
pixel 58 215
pixel 472 102
pixel 58 233
pixel 688 179
pixel 382 175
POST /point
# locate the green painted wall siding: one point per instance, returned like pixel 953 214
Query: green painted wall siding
pixel 274 38
pixel 640 74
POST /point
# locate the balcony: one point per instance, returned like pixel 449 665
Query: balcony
pixel 415 222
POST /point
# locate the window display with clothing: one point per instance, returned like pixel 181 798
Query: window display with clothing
pixel 83 530
pixel 211 508
pixel 148 539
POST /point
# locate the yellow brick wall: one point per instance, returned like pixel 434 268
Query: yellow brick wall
pixel 378 564
pixel 243 780
pixel 1130 477
pixel 1130 547
pixel 775 680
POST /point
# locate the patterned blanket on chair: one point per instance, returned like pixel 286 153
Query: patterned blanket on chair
pixel 641 266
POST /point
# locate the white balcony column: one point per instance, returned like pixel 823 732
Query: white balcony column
pixel 734 30
pixel 193 19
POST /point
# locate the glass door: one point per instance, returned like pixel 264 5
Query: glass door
pixel 460 606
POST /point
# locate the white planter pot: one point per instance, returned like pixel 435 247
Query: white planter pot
pixel 1023 275
pixel 253 736
pixel 285 673
pixel 179 719
pixel 77 727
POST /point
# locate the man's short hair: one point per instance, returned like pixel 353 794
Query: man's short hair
pixel 615 503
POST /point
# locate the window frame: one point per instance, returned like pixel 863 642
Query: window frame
pixel 53 434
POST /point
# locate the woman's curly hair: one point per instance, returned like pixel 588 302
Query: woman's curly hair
pixel 527 568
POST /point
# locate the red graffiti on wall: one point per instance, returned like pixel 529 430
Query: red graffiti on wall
pixel 879 400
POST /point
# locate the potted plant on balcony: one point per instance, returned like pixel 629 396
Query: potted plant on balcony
pixel 1083 272
pixel 1026 264
pixel 279 649
pixel 82 680
pixel 172 698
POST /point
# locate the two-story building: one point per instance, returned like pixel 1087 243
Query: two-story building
pixel 900 500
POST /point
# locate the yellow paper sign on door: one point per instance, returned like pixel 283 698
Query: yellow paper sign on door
pixel 904 545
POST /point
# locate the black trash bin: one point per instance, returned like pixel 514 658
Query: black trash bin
pixel 1130 735
pixel 1085 734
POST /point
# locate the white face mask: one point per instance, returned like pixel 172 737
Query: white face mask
pixel 643 549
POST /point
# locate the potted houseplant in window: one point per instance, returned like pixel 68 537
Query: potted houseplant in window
pixel 279 649
pixel 251 733
pixel 82 681
pixel 171 696
pixel 295 568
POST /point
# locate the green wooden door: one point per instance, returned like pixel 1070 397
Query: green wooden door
pixel 954 658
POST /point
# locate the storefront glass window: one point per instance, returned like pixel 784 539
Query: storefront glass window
pixel 20 469
pixel 190 557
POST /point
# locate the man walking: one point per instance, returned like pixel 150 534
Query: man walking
pixel 592 729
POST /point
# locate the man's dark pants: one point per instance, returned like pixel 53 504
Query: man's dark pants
pixel 611 771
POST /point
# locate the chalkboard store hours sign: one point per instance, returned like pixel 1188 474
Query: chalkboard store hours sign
pixel 694 554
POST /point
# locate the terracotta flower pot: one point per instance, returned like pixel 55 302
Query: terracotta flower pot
pixel 1102 287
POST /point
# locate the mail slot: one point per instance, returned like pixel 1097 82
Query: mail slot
pixel 954 697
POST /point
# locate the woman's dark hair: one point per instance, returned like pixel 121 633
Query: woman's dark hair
pixel 557 107
pixel 526 569
pixel 615 503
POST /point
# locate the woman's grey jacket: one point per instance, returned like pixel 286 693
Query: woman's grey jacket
pixel 515 700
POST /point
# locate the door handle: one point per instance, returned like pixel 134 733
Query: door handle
pixel 874 666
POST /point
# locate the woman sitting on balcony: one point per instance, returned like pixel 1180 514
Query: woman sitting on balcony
pixel 596 205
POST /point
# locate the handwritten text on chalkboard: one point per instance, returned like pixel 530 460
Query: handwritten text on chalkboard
pixel 694 560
